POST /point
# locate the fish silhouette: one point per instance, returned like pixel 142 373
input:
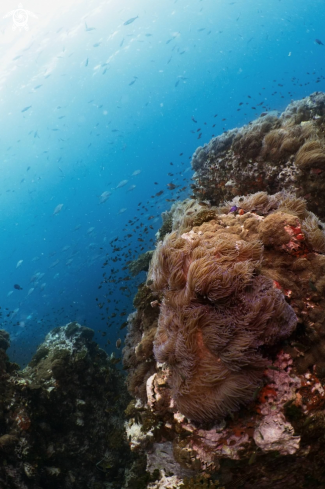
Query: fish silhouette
pixel 130 20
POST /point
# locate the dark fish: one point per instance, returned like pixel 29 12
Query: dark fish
pixel 193 119
pixel 130 20
pixel 26 108
pixel 96 44
pixel 86 63
pixel 176 84
pixel 17 287
pixel 122 42
pixel 37 87
pixel 132 82
pixel 319 42
pixel 118 343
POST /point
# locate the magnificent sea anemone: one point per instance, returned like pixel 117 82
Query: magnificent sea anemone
pixel 217 313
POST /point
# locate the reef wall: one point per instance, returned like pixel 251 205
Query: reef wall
pixel 225 352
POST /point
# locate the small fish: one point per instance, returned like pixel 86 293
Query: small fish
pixel 26 108
pixel 132 187
pixel 19 263
pixel 96 44
pixel 17 287
pixel 122 183
pixel 121 44
pixel 118 343
pixel 319 42
pixel 136 172
pixel 37 87
pixel 57 209
pixel 233 209
pixel 171 186
pixel 54 264
pixel 9 293
pixel 193 119
pixel 104 196
pixel 86 63
pixel 130 20
pixel 122 210
pixel 31 290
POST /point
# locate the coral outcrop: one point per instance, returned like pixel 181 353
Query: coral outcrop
pixel 272 153
pixel 62 423
pixel 232 320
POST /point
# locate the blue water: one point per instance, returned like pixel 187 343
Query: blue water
pixel 103 100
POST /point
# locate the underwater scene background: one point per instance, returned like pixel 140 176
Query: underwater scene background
pixel 163 246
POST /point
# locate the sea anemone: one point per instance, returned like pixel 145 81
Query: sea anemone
pixel 216 314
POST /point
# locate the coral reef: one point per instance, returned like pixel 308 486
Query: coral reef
pixel 141 264
pixel 62 422
pixel 273 153
pixel 232 319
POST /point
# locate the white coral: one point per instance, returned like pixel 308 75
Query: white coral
pixel 274 433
